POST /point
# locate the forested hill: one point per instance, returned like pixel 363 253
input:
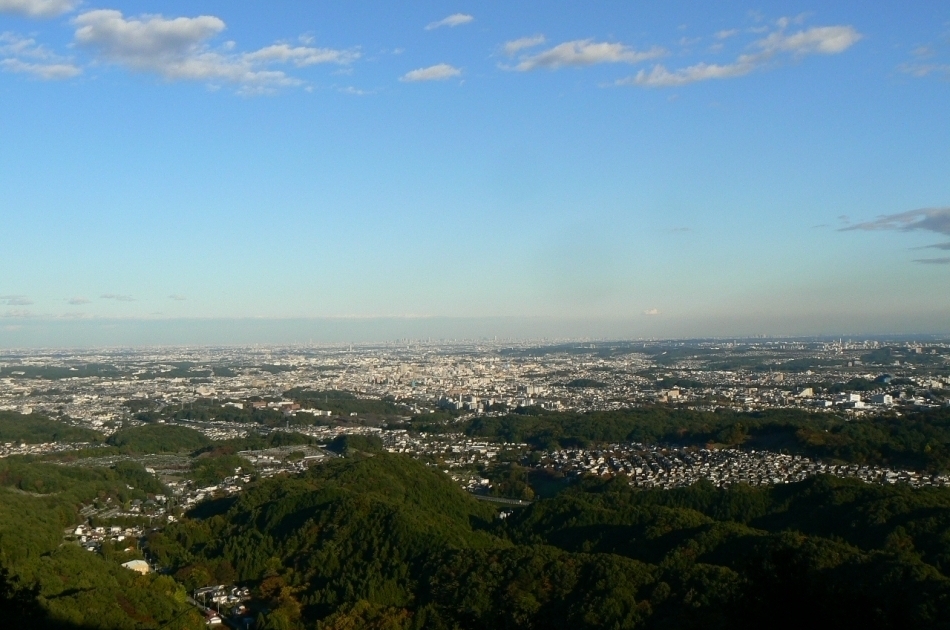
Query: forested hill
pixel 37 429
pixel 383 541
pixel 351 530
pixel 48 583
pixel 158 438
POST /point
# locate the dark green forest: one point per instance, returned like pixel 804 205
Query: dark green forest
pixel 342 403
pixel 158 438
pixel 383 541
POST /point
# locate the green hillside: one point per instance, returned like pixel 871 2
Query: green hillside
pixel 46 583
pixel 301 538
pixel 158 438
pixel 376 540
pixel 385 542
pixel 36 429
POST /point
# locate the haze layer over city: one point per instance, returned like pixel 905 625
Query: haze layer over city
pixel 536 315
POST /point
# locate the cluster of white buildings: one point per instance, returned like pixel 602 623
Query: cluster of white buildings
pixel 655 467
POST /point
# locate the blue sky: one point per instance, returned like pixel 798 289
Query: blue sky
pixel 626 169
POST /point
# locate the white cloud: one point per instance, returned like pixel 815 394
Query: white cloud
pixel 23 55
pixel 47 71
pixel 651 312
pixel 38 8
pixel 726 34
pixel 454 20
pixel 19 314
pixel 516 45
pixel 178 49
pixel 824 40
pixel 301 56
pixel 659 76
pixel 586 52
pixel 78 301
pixel 15 300
pixel 117 298
pixel 438 72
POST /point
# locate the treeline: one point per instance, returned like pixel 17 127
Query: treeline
pixel 170 438
pixel 385 542
pixel 338 403
pixel 158 438
pixel 53 373
pixel 256 442
pixel 344 444
pixel 208 410
pixel 214 467
pixel 76 484
pixel 342 403
pixel 37 429
pixel 919 440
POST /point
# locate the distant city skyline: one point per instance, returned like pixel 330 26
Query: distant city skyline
pixel 232 173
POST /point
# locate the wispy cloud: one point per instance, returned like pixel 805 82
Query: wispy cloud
pixel 945 246
pixel 355 91
pixel 177 297
pixel 19 314
pixel 924 64
pixel 936 220
pixel 438 72
pixel 921 70
pixel 726 34
pixel 24 56
pixel 300 56
pixel 15 300
pixel 926 219
pixel 44 71
pixel 516 45
pixel 454 20
pixel 38 8
pixel 77 301
pixel 178 49
pixel 823 40
pixel 651 312
pixel 117 298
pixel 586 52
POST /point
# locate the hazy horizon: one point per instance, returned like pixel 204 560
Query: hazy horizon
pixel 96 333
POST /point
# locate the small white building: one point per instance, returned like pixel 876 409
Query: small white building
pixel 139 566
